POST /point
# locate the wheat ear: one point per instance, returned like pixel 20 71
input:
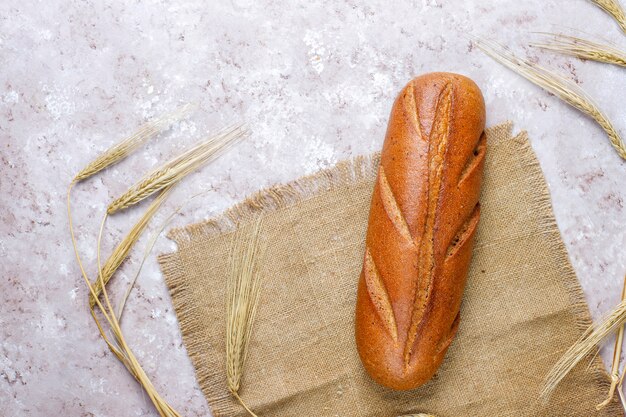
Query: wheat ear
pixel 120 253
pixel 588 341
pixel 563 88
pixel 179 167
pixel 148 249
pixel 243 289
pixel 127 146
pixel 613 8
pixel 582 48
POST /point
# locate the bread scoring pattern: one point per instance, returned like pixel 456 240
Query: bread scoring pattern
pixel 436 155
pixel 379 295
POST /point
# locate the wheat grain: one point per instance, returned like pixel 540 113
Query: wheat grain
pixel 243 289
pixel 588 341
pixel 179 167
pixel 582 48
pixel 613 8
pixel 563 88
pixel 124 148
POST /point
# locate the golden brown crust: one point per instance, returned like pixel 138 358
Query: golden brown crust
pixel 423 217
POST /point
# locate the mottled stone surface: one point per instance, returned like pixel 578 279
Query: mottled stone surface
pixel 315 81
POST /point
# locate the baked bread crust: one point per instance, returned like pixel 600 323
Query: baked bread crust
pixel 422 221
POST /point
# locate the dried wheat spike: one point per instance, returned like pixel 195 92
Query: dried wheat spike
pixel 123 248
pixel 243 289
pixel 582 48
pixel 127 146
pixel 594 335
pixel 563 88
pixel 179 167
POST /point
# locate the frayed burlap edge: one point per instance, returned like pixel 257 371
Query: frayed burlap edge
pixel 542 203
pixel 277 197
pixel 346 173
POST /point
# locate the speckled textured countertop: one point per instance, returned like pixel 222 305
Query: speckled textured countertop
pixel 315 81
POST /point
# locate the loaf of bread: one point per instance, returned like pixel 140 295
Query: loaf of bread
pixel 422 222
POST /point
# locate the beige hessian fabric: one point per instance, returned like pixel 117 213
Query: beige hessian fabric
pixel 522 305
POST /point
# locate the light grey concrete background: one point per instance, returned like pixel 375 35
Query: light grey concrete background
pixel 315 80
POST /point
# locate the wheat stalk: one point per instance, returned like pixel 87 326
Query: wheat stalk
pixel 582 48
pixel 120 253
pixel 613 8
pixel 588 341
pixel 179 167
pixel 563 88
pixel 131 363
pixel 617 354
pixel 620 391
pixel 243 289
pixel 119 347
pixel 105 273
pixel 127 146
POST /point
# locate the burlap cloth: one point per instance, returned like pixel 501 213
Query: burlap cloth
pixel 522 306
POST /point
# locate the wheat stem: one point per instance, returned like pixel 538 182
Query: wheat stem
pixel 563 88
pixel 613 8
pixel 124 148
pixel 164 409
pixel 243 289
pixel 121 351
pixel 243 404
pixel 582 48
pixel 114 349
pixel 617 353
pixel 179 167
pixel 620 391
